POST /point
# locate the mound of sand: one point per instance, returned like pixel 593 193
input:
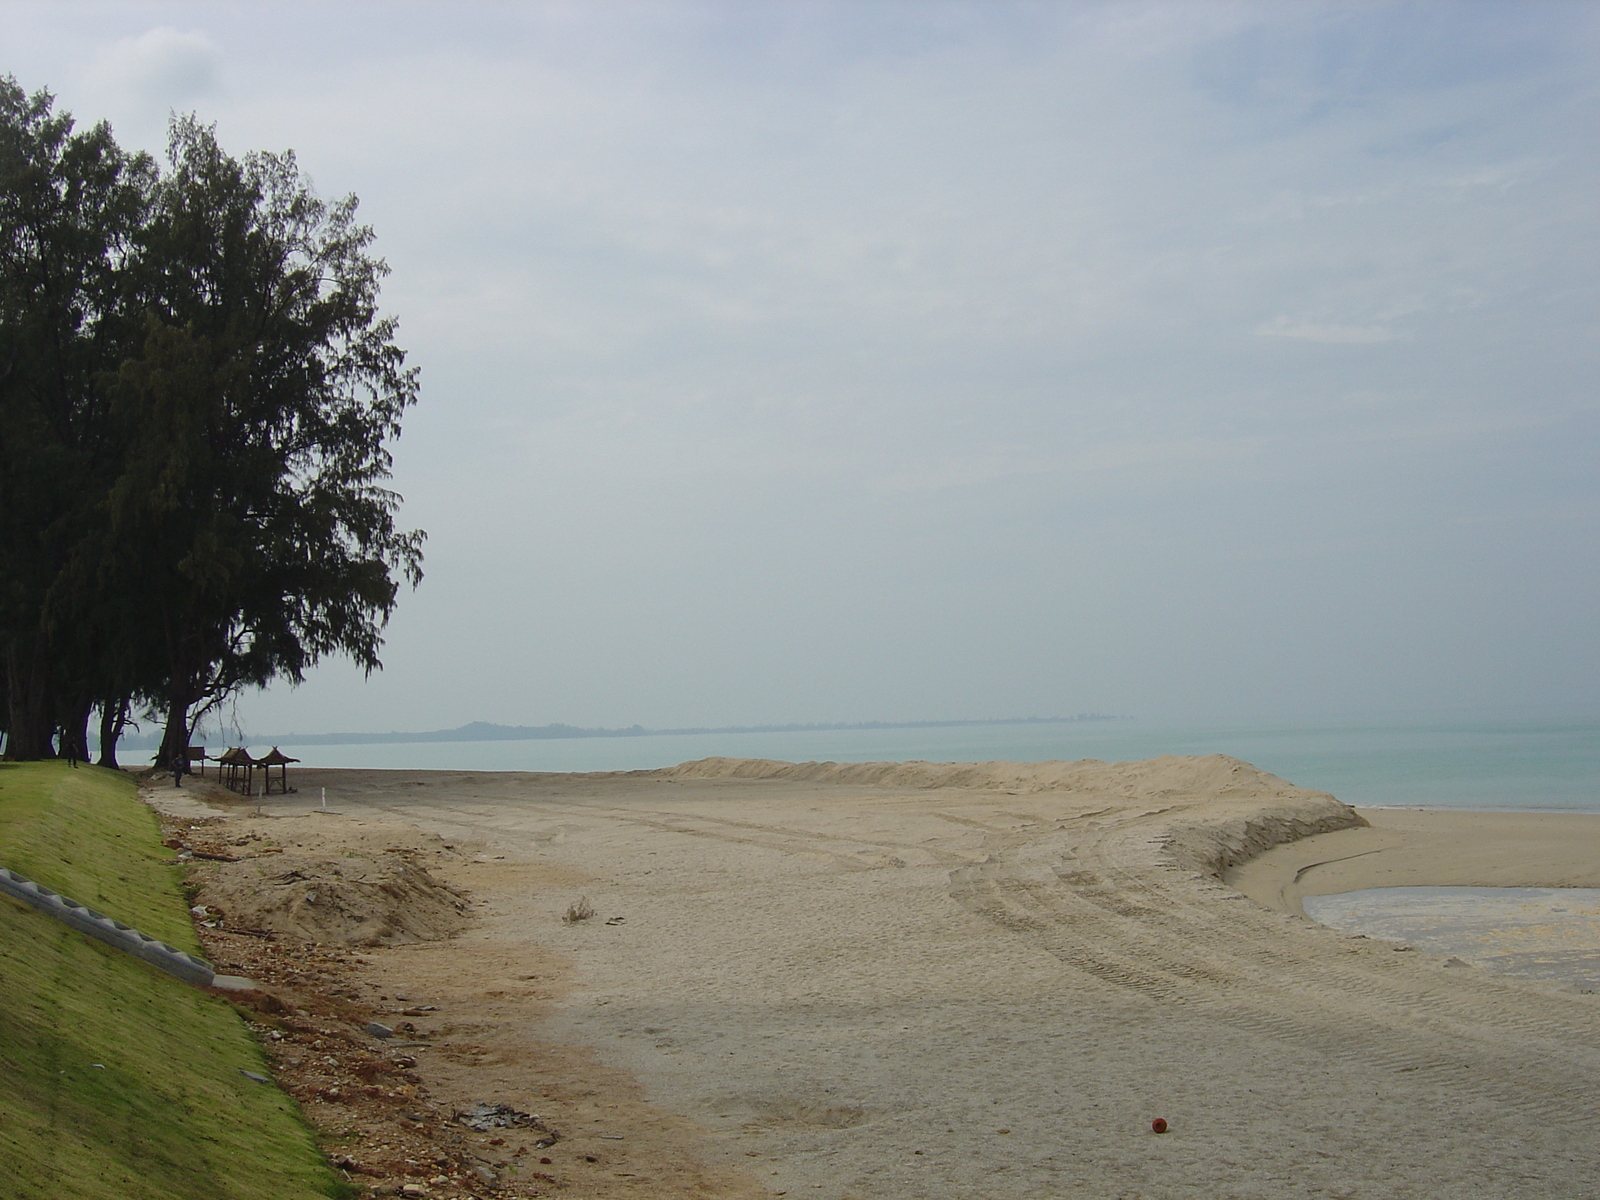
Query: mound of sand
pixel 1219 811
pixel 1174 776
pixel 379 900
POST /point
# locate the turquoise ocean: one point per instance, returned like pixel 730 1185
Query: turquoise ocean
pixel 1528 766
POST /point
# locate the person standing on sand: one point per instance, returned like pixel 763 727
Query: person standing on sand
pixel 179 762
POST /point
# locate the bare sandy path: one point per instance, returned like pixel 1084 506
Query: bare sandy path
pixel 987 984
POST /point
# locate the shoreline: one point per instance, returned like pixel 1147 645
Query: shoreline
pixel 1586 805
pixel 1427 847
pixel 1506 766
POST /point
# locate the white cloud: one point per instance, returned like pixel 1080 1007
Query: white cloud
pixel 162 66
pixel 955 285
pixel 1322 331
pixel 1009 462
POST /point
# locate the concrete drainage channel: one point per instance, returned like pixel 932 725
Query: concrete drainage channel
pixel 114 933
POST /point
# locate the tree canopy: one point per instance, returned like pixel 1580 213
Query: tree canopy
pixel 197 393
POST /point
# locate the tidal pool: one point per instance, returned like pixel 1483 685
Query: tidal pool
pixel 1540 933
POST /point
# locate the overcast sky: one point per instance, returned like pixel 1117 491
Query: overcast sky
pixel 810 362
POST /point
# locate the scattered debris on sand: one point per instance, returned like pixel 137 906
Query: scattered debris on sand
pixel 315 1015
pixel 484 1117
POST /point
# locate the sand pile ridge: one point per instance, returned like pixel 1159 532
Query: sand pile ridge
pixel 1168 775
pixel 1220 810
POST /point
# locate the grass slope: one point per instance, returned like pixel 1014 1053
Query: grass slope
pixel 120 1082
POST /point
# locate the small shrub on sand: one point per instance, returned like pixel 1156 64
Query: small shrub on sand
pixel 579 910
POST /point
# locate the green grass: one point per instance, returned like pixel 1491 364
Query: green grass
pixel 166 1114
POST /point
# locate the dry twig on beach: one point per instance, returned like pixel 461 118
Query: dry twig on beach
pixel 579 910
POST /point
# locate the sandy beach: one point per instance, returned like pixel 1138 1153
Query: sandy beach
pixel 914 980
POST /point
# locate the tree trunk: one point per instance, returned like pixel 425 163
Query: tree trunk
pixel 175 739
pixel 29 727
pixel 113 719
pixel 75 732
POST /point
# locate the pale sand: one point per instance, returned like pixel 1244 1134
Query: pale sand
pixel 923 981
pixel 1428 848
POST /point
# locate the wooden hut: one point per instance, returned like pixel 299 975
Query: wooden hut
pixel 276 758
pixel 237 769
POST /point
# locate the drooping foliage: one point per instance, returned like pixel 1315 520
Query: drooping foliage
pixel 196 394
pixel 71 206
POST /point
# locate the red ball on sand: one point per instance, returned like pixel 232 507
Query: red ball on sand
pixel 1159 1125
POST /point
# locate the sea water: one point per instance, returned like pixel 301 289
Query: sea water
pixel 1526 766
pixel 1551 934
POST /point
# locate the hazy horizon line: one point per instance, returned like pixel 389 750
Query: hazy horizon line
pixel 485 731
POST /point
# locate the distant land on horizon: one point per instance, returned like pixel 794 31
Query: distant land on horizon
pixel 483 731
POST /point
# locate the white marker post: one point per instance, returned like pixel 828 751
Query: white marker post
pixel 324 799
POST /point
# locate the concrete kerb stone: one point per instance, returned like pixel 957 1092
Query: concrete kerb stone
pixel 114 933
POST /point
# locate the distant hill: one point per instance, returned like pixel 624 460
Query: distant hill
pixel 483 731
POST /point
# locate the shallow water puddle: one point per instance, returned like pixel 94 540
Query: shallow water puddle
pixel 1541 933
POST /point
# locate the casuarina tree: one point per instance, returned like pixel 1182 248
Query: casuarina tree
pixel 72 206
pixel 257 413
pixel 241 528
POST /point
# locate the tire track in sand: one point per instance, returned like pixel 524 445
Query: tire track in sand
pixel 1109 907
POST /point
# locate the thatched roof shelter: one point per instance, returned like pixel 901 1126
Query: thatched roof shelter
pixel 277 758
pixel 237 768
